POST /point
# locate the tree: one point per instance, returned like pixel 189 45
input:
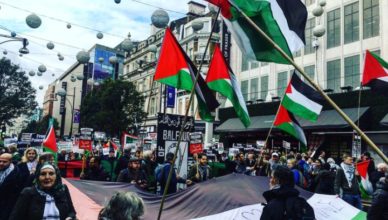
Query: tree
pixel 17 96
pixel 113 107
pixel 41 126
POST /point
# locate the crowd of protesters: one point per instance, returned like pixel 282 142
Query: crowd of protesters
pixel 23 175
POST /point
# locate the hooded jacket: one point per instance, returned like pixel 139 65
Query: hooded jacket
pixel 276 199
pixel 378 209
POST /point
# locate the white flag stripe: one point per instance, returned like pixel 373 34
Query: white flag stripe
pixel 301 99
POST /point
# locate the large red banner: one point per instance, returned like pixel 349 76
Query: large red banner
pixel 196 148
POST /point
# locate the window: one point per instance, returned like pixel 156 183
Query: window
pixel 333 28
pixel 310 71
pixel 254 94
pixel 264 63
pixel 352 71
pixel 351 23
pixel 282 82
pixel 244 89
pixel 263 87
pixel 244 63
pixel 254 64
pixel 371 18
pixel 308 49
pixel 152 106
pixel 334 75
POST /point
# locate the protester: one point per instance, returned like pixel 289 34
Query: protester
pixel 371 166
pixel 149 165
pixel 200 171
pixel 47 199
pixel 28 166
pixel 274 162
pixel 376 175
pixel 378 209
pixel 250 163
pixel 298 177
pixel 109 165
pixel 123 206
pixel 240 164
pixel 322 156
pixel 10 185
pixel 324 180
pixel 162 176
pixel 347 181
pixel 94 171
pixel 333 166
pixel 261 166
pixel 282 198
pixel 123 161
pixel 133 174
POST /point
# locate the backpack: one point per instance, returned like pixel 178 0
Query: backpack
pixel 297 208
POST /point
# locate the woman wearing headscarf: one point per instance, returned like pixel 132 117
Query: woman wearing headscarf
pixel 47 199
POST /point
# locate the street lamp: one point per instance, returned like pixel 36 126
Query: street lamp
pixel 22 50
pixel 63 94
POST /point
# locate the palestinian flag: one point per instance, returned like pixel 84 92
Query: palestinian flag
pixel 285 121
pixel 366 187
pixel 176 69
pixel 50 142
pixel 302 100
pixel 375 73
pixel 220 78
pixel 284 21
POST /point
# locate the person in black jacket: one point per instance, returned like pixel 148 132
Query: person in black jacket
pixel 47 198
pixel 347 179
pixel 324 181
pixel 281 195
pixel 378 209
pixel 10 185
pixel 28 166
pixel 133 174
pixel 95 171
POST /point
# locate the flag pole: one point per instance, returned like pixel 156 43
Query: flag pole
pixel 185 118
pixel 273 123
pixel 325 96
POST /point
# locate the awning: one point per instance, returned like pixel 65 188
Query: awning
pixel 327 119
pixel 384 121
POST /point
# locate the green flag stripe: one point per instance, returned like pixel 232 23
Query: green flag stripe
pixel 299 109
pixel 360 216
pixel 181 80
pixel 381 61
pixel 224 88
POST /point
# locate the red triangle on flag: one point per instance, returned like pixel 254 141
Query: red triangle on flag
pixel 372 69
pixel 282 116
pixel 218 68
pixel 362 168
pixel 50 141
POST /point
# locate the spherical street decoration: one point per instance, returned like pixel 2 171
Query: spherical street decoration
pixel 99 35
pixel 61 58
pixel 20 54
pixel 318 11
pixel 113 60
pixel 42 68
pixel 5 52
pixel 13 34
pixel 53 75
pixel 160 18
pixel 197 25
pixel 50 45
pixel 127 45
pixel 31 73
pixel 73 79
pixel 68 25
pixel 152 48
pixel 90 81
pixel 96 84
pixel 101 59
pixel 322 3
pixel 83 57
pixel 117 1
pixel 40 87
pixel 61 92
pixel 33 21
pixel 319 31
pixel 80 76
pixel 39 74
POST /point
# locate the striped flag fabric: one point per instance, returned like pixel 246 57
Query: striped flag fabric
pixel 302 100
pixel 285 121
pixel 177 70
pixel 366 187
pixel 50 142
pixel 220 78
pixel 284 21
pixel 375 74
